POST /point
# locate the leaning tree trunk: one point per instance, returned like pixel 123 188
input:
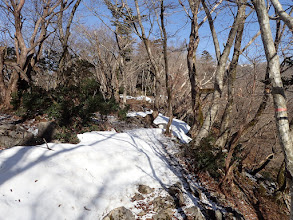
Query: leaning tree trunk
pixel 278 93
pixel 288 20
pixel 218 85
pixel 231 79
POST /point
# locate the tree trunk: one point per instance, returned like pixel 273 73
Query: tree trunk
pixel 64 37
pixel 218 85
pixel 191 64
pixel 231 79
pixel 12 88
pixel 288 20
pixel 152 60
pixel 168 86
pixel 7 89
pixel 3 87
pixel 278 92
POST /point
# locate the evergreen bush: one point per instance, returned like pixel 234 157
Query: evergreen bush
pixel 71 107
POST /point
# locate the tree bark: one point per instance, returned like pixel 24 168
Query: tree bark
pixel 192 71
pixel 278 92
pixel 3 87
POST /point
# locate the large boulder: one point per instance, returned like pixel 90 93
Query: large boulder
pixel 176 192
pixel 16 134
pixel 46 130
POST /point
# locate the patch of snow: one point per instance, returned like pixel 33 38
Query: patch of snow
pixel 148 99
pixel 33 130
pixel 179 128
pixel 83 181
pixel 142 114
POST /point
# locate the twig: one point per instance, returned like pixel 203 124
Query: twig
pixel 87 209
pixel 47 145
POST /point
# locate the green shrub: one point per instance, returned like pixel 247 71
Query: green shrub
pixel 15 100
pixel 209 158
pixel 71 107
pixel 36 101
pixel 122 113
pixel 65 135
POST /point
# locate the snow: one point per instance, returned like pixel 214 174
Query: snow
pixel 83 181
pixel 148 99
pixel 33 130
pixel 179 128
pixel 141 114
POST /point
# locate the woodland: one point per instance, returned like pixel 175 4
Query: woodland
pixel 230 78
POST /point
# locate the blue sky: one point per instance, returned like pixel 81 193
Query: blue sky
pixel 178 24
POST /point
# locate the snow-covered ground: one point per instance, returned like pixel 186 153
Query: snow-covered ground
pixel 83 181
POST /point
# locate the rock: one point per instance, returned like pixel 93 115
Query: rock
pixel 229 216
pixel 162 203
pixel 195 213
pixel 142 213
pixel 218 215
pixel 120 213
pixel 176 192
pixel 149 119
pixel 12 135
pixel 137 197
pixel 15 134
pixel 165 214
pixel 232 214
pixel 162 126
pixel 214 214
pixel 143 189
pixel 46 130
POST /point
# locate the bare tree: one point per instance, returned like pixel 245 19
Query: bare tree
pixel 196 88
pixel 283 14
pixel 191 64
pixel 144 38
pixel 221 68
pixel 64 34
pixel 98 47
pixel 123 39
pixel 27 53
